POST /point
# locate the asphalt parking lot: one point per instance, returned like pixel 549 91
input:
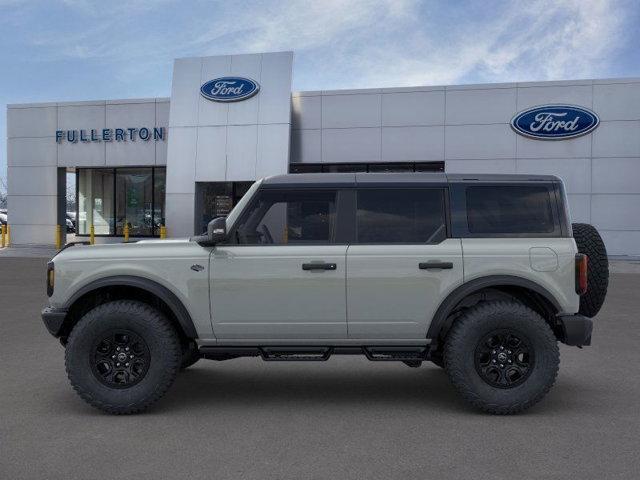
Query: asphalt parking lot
pixel 345 418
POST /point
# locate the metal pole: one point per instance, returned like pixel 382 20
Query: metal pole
pixel 126 232
pixel 3 231
pixel 92 235
pixel 58 237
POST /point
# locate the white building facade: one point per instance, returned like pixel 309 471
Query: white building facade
pixel 180 161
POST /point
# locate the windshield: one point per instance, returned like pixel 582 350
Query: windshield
pixel 233 215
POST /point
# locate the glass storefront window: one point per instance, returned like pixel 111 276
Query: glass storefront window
pixel 110 198
pixel 134 193
pixel 95 201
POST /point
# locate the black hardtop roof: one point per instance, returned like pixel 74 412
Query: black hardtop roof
pixel 418 178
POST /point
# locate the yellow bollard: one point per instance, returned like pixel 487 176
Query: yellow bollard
pixel 163 231
pixel 8 235
pixel 92 235
pixel 126 232
pixel 58 237
pixel 3 233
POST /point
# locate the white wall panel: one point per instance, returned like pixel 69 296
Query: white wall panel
pixel 180 214
pixel 40 152
pixel 580 208
pixel 412 143
pixel 32 180
pixel 185 92
pixel 480 166
pixel 479 141
pixel 32 122
pixel 275 95
pixel 241 152
pixel 621 243
pixel 346 111
pixel 43 234
pixel 273 150
pixel 616 175
pixel 617 102
pixel 496 105
pixel 570 148
pixel 306 112
pixel 82 117
pixel 81 154
pixel 542 95
pixel 246 111
pixel 33 210
pixel 351 145
pixel 412 108
pixel 575 172
pixel 306 146
pixel 211 156
pixel 615 212
pixel 212 113
pixel 181 171
pixel 617 139
pixel 162 120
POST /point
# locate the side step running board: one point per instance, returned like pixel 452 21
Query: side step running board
pixel 317 354
pixel 295 354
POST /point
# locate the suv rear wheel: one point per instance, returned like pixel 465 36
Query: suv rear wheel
pixel 122 356
pixel 502 357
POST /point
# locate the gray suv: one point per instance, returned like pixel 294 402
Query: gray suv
pixel 480 274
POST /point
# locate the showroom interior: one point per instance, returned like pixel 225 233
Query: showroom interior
pixel 178 162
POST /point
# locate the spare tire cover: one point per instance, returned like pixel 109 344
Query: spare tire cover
pixel 590 243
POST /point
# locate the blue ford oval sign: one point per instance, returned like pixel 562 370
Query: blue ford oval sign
pixel 555 122
pixel 229 89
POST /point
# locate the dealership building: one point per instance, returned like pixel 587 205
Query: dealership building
pixel 180 161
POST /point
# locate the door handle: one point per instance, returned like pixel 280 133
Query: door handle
pixel 319 266
pixel 435 265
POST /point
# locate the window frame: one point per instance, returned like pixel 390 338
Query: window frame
pixel 155 232
pixel 339 228
pixel 460 223
pixel 444 190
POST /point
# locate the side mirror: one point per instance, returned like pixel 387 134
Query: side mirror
pixel 217 230
pixel 216 233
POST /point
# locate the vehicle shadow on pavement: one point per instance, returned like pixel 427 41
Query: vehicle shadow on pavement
pixel 300 386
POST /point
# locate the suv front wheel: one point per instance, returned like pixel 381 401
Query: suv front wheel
pixel 502 357
pixel 122 356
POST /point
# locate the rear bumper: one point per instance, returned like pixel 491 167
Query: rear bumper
pixel 575 330
pixel 53 319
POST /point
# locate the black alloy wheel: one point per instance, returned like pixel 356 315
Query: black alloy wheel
pixel 120 359
pixel 504 358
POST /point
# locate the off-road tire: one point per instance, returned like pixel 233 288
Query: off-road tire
pixel 164 356
pixel 590 243
pixel 460 361
pixel 190 355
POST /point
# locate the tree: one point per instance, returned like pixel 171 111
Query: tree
pixel 3 193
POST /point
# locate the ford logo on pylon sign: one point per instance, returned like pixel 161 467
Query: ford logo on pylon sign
pixel 555 122
pixel 229 89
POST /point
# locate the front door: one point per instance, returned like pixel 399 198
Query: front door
pixel 282 275
pixel 401 265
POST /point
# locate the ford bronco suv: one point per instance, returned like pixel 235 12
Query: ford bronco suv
pixel 480 274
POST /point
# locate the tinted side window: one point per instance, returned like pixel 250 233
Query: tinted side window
pixel 289 217
pixel 509 209
pixel 401 216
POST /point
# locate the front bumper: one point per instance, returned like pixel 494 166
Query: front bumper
pixel 575 330
pixel 53 319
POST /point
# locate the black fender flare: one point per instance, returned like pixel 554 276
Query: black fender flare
pixel 460 293
pixel 160 291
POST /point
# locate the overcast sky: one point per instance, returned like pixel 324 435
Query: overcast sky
pixel 84 49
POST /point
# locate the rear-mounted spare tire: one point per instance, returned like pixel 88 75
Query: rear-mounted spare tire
pixel 590 243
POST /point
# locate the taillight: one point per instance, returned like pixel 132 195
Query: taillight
pixel 51 278
pixel 581 273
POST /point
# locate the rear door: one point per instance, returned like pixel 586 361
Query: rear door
pixel 402 263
